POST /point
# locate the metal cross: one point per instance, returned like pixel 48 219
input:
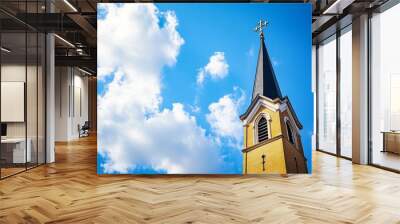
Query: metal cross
pixel 263 162
pixel 260 26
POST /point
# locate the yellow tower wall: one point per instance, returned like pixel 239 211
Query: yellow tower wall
pixel 281 155
pixel 274 160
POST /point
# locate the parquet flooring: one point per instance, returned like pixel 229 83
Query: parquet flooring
pixel 69 191
pixel 10 171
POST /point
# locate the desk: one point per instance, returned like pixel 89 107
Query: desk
pixel 391 141
pixel 16 147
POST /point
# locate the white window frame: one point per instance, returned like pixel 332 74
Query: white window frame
pixel 255 126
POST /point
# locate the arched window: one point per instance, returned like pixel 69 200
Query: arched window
pixel 262 129
pixel 290 132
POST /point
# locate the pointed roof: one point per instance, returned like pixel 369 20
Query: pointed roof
pixel 265 83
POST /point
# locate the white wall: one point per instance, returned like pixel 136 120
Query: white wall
pixel 62 82
pixel 80 102
pixel 71 102
pixel 314 91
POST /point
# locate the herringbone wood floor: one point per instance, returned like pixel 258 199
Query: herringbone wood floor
pixel 69 191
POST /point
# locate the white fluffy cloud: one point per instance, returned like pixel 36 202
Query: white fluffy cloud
pixel 224 117
pixel 217 68
pixel 169 140
pixel 134 131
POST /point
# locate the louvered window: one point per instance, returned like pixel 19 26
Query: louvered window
pixel 262 129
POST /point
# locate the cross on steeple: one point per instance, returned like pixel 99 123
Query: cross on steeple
pixel 265 83
pixel 260 26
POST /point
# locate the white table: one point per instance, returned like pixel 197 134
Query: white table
pixel 19 153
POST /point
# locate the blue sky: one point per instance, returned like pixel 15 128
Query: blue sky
pixel 227 28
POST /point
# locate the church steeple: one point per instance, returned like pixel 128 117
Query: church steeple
pixel 265 82
pixel 272 140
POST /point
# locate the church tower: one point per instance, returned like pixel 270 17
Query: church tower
pixel 272 141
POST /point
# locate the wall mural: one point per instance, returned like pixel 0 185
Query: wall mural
pixel 204 88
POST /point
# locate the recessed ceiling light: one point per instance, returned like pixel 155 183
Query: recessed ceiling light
pixel 338 6
pixel 70 5
pixel 84 71
pixel 5 50
pixel 64 40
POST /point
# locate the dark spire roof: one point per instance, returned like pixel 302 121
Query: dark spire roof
pixel 265 83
